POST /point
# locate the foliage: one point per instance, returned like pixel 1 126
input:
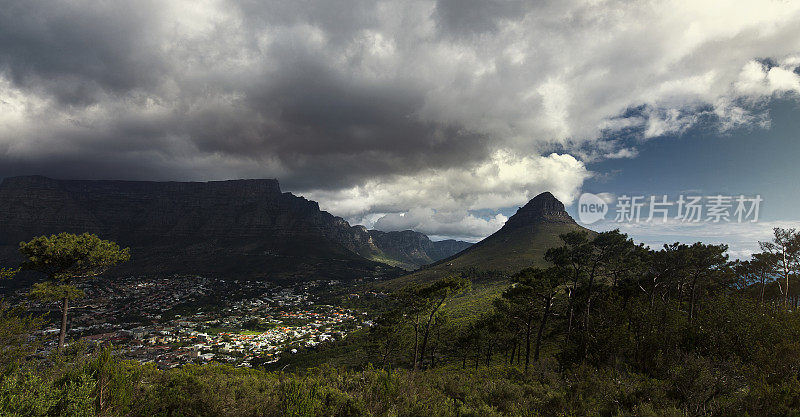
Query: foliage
pixel 67 256
pixel 8 273
pixel 16 340
pixel 63 258
pixel 622 330
pixel 51 291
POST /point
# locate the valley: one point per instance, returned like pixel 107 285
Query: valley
pixel 176 320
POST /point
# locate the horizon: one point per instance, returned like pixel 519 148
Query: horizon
pixel 399 208
pixel 645 237
pixel 437 117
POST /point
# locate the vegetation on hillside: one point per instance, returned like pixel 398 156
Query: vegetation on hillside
pixel 502 253
pixel 606 327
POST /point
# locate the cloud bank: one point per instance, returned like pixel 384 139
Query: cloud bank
pixel 406 114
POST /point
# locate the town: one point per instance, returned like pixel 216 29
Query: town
pixel 175 320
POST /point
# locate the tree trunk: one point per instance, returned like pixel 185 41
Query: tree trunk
pixel 589 300
pixel 787 289
pixel 416 345
pixel 528 343
pixel 477 352
pixel 386 352
pixel 542 325
pixel 63 334
pixel 428 329
pixel 692 298
pixel 569 321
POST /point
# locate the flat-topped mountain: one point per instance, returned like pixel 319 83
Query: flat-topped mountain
pixel 243 227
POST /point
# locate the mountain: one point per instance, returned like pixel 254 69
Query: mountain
pixel 410 250
pixel 245 228
pixel 520 243
pixel 240 227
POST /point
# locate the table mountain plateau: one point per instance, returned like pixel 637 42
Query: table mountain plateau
pixel 245 228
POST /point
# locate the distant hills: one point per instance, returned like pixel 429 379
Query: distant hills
pixel 410 250
pixel 245 228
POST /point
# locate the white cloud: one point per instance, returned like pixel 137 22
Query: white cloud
pixel 622 153
pixel 380 108
pixel 757 79
pixel 438 202
pixel 459 224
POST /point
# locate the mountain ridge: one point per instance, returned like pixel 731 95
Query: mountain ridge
pixel 415 249
pixel 520 243
pixel 248 227
pixel 544 209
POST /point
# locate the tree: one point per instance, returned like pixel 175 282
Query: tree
pixel 15 331
pixel 571 257
pixel 605 255
pixel 531 296
pixel 8 273
pixel 436 294
pixel 707 265
pixel 605 251
pixel 757 270
pixel 386 335
pixel 413 307
pixel 65 258
pixel 666 272
pixel 784 252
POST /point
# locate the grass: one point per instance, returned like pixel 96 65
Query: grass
pixel 476 302
pixel 390 261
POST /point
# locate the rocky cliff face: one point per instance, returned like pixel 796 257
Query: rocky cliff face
pixel 243 226
pixel 446 248
pixel 542 209
pixel 414 249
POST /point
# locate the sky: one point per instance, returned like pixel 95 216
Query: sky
pixel 437 116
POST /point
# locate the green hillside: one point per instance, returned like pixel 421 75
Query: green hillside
pixel 506 252
pixel 521 243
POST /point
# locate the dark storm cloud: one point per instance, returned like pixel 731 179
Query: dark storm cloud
pixel 77 54
pixel 473 17
pixel 288 111
pixel 373 106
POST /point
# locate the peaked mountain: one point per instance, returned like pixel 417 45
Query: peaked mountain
pixel 520 243
pixel 410 250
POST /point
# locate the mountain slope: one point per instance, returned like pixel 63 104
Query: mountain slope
pixel 410 250
pixel 520 243
pixel 244 227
